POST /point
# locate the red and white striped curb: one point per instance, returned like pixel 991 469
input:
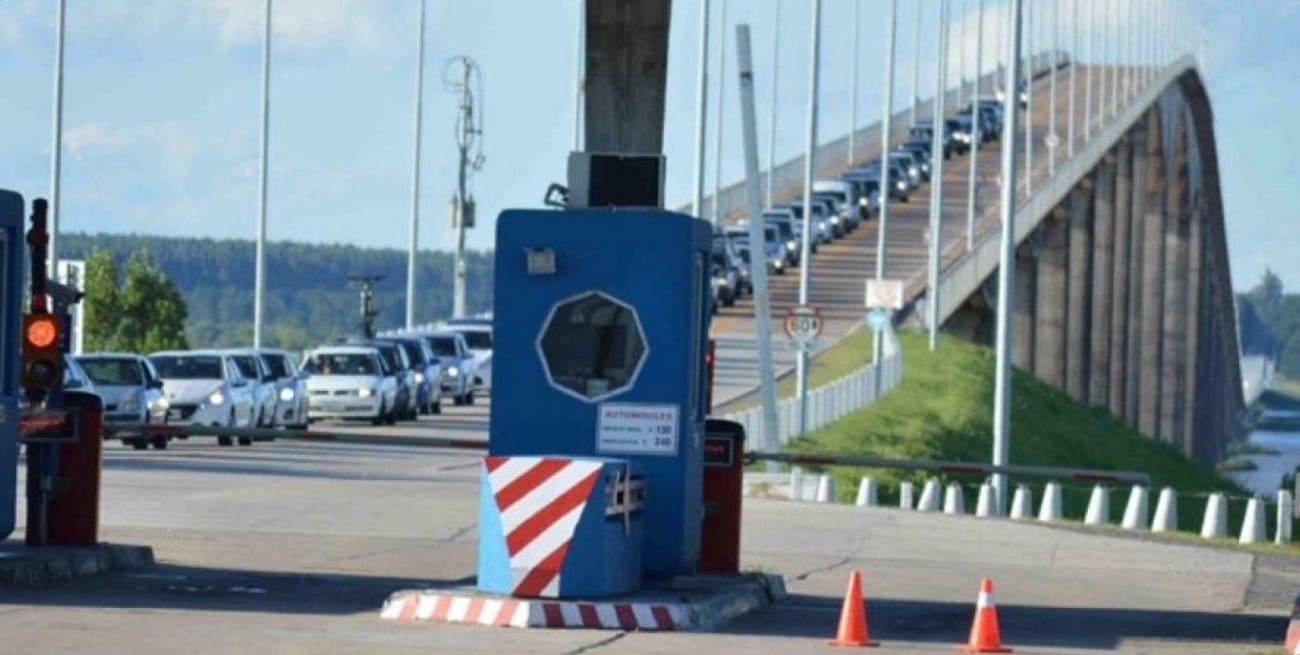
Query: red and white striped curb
pixel 516 613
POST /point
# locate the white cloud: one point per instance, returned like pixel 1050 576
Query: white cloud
pixel 17 18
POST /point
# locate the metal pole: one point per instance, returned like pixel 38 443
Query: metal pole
pixel 259 268
pixel 882 240
pixel 936 175
pixel 977 136
pixel 56 148
pixel 1029 15
pixel 1115 55
pixel 1054 141
pixel 771 130
pixel 580 74
pixel 459 307
pixel 1102 86
pixel 701 108
pixel 757 256
pixel 809 170
pixel 1074 66
pixel 415 172
pixel 1006 279
pixel 718 124
pixel 916 68
pixel 853 85
pixel 961 60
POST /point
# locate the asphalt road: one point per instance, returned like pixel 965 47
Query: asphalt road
pixel 291 547
pixel 839 271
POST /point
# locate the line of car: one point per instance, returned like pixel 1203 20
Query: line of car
pixel 838 207
pixel 382 380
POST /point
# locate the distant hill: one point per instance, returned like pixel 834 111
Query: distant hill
pixel 308 297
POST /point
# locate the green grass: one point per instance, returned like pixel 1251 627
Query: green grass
pixel 1237 448
pixel 943 409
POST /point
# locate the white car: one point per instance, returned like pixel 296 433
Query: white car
pixel 132 393
pixel 348 382
pixel 291 388
pixel 263 384
pixel 205 387
pixel 478 337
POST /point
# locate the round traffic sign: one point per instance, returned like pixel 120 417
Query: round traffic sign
pixel 803 323
pixel 1052 140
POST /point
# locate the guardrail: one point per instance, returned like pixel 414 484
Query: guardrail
pixel 830 402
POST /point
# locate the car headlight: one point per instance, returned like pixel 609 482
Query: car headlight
pixel 419 377
pixel 286 394
pixel 451 372
pixel 914 170
pixel 129 402
pixel 365 392
pixel 901 185
pixel 862 202
pixel 217 397
pixel 835 220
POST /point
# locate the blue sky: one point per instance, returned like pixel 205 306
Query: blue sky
pixel 161 109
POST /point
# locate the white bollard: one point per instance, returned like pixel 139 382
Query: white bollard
pixel 1135 512
pixel 825 489
pixel 984 503
pixel 929 497
pixel 1050 510
pixel 1166 519
pixel 1285 508
pixel 1022 503
pixel 796 483
pixel 1215 523
pixel 906 495
pixel 1098 507
pixel 866 492
pixel 1253 530
pixel 954 500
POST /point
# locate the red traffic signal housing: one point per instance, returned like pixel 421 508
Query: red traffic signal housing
pixel 42 352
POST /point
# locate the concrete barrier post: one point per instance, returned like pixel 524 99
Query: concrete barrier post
pixel 1022 503
pixel 1166 519
pixel 1215 523
pixel 1253 530
pixel 1285 504
pixel 1050 510
pixel 929 497
pixel 984 506
pixel 906 495
pixel 866 492
pixel 796 483
pixel 1098 507
pixel 1135 512
pixel 825 489
pixel 954 501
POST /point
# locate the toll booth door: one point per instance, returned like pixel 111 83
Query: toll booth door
pixel 11 297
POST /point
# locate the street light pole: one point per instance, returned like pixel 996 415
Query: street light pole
pixel 961 60
pixel 809 170
pixel 56 148
pixel 936 175
pixel 977 134
pixel 718 122
pixel 415 172
pixel 1054 141
pixel 579 62
pixel 701 109
pixel 1029 15
pixel 916 65
pixel 771 133
pixel 853 86
pixel 1006 278
pixel 1074 66
pixel 259 267
pixel 882 240
pixel 1087 82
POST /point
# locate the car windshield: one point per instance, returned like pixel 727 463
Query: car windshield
pixel 391 358
pixel 478 339
pixel 782 227
pixel 340 364
pixel 443 346
pixel 247 367
pixel 279 364
pixel 413 352
pixel 112 372
pixel 188 367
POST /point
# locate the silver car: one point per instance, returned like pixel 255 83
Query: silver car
pixel 458 369
pixel 291 388
pixel 132 393
pixel 349 382
pixel 205 388
pixel 262 383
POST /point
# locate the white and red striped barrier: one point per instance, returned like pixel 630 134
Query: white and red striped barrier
pixel 525 613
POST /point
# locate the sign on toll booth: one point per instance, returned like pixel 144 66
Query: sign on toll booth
pixel 803 327
pixel 11 298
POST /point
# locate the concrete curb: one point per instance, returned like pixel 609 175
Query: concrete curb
pixel 670 607
pixel 21 566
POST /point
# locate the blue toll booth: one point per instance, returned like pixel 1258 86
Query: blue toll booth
pixel 600 329
pixel 12 251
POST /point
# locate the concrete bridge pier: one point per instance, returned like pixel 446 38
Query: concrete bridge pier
pixel 1137 184
pixel 1104 265
pixel 1117 375
pixel 1024 330
pixel 1078 316
pixel 1050 313
pixel 1173 342
pixel 1153 282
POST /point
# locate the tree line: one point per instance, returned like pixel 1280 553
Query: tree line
pixel 308 300
pixel 1270 324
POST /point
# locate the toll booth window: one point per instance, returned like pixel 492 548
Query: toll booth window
pixel 592 346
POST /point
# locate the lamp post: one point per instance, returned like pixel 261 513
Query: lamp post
pixel 415 172
pixel 977 134
pixel 936 175
pixel 259 266
pixel 814 64
pixel 882 240
pixel 701 108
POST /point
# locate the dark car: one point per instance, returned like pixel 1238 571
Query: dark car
pixel 923 130
pixel 961 132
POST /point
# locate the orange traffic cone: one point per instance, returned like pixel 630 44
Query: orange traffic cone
pixel 984 634
pixel 853 617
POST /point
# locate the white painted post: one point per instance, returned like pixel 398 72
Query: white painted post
pixel 1135 512
pixel 1050 510
pixel 1098 507
pixel 796 483
pixel 866 492
pixel 1252 528
pixel 1215 523
pixel 984 503
pixel 1022 505
pixel 825 489
pixel 954 501
pixel 929 497
pixel 1285 507
pixel 906 495
pixel 1166 519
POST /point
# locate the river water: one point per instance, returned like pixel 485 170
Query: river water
pixel 1264 480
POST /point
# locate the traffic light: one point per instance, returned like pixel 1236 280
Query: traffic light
pixel 42 354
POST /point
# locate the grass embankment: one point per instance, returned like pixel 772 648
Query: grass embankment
pixel 943 409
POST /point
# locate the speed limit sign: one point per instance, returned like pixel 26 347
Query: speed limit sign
pixel 803 325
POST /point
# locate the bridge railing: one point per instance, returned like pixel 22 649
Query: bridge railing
pixel 832 401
